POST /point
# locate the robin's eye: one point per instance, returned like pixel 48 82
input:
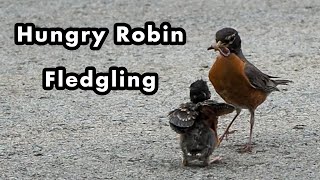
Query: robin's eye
pixel 230 38
pixel 224 42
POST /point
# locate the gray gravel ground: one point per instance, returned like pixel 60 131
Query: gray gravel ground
pixel 125 134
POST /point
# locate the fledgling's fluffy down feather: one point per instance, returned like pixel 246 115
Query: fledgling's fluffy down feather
pixel 196 122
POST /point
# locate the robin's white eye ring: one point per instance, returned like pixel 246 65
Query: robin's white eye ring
pixel 231 37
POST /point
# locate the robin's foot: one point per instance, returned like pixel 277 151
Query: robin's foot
pixel 225 134
pixel 246 149
pixel 229 132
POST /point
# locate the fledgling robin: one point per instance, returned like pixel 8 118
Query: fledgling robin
pixel 238 81
pixel 196 122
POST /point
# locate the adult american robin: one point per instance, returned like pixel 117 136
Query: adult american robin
pixel 196 122
pixel 238 81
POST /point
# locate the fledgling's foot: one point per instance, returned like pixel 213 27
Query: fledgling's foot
pixel 205 162
pixel 215 160
pixel 185 162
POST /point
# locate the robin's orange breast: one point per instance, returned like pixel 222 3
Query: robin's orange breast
pixel 230 82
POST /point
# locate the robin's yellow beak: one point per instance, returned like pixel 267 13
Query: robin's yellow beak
pixel 222 48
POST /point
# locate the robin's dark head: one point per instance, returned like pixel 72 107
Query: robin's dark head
pixel 227 40
pixel 199 91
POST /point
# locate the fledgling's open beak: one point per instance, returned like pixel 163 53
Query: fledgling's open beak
pixel 215 46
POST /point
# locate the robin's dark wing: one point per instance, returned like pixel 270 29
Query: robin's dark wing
pixel 259 80
pixel 215 108
pixel 183 117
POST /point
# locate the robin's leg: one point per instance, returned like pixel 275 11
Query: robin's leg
pixel 227 130
pixel 248 146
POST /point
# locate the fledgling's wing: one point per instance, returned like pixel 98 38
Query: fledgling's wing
pixel 215 108
pixel 183 117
